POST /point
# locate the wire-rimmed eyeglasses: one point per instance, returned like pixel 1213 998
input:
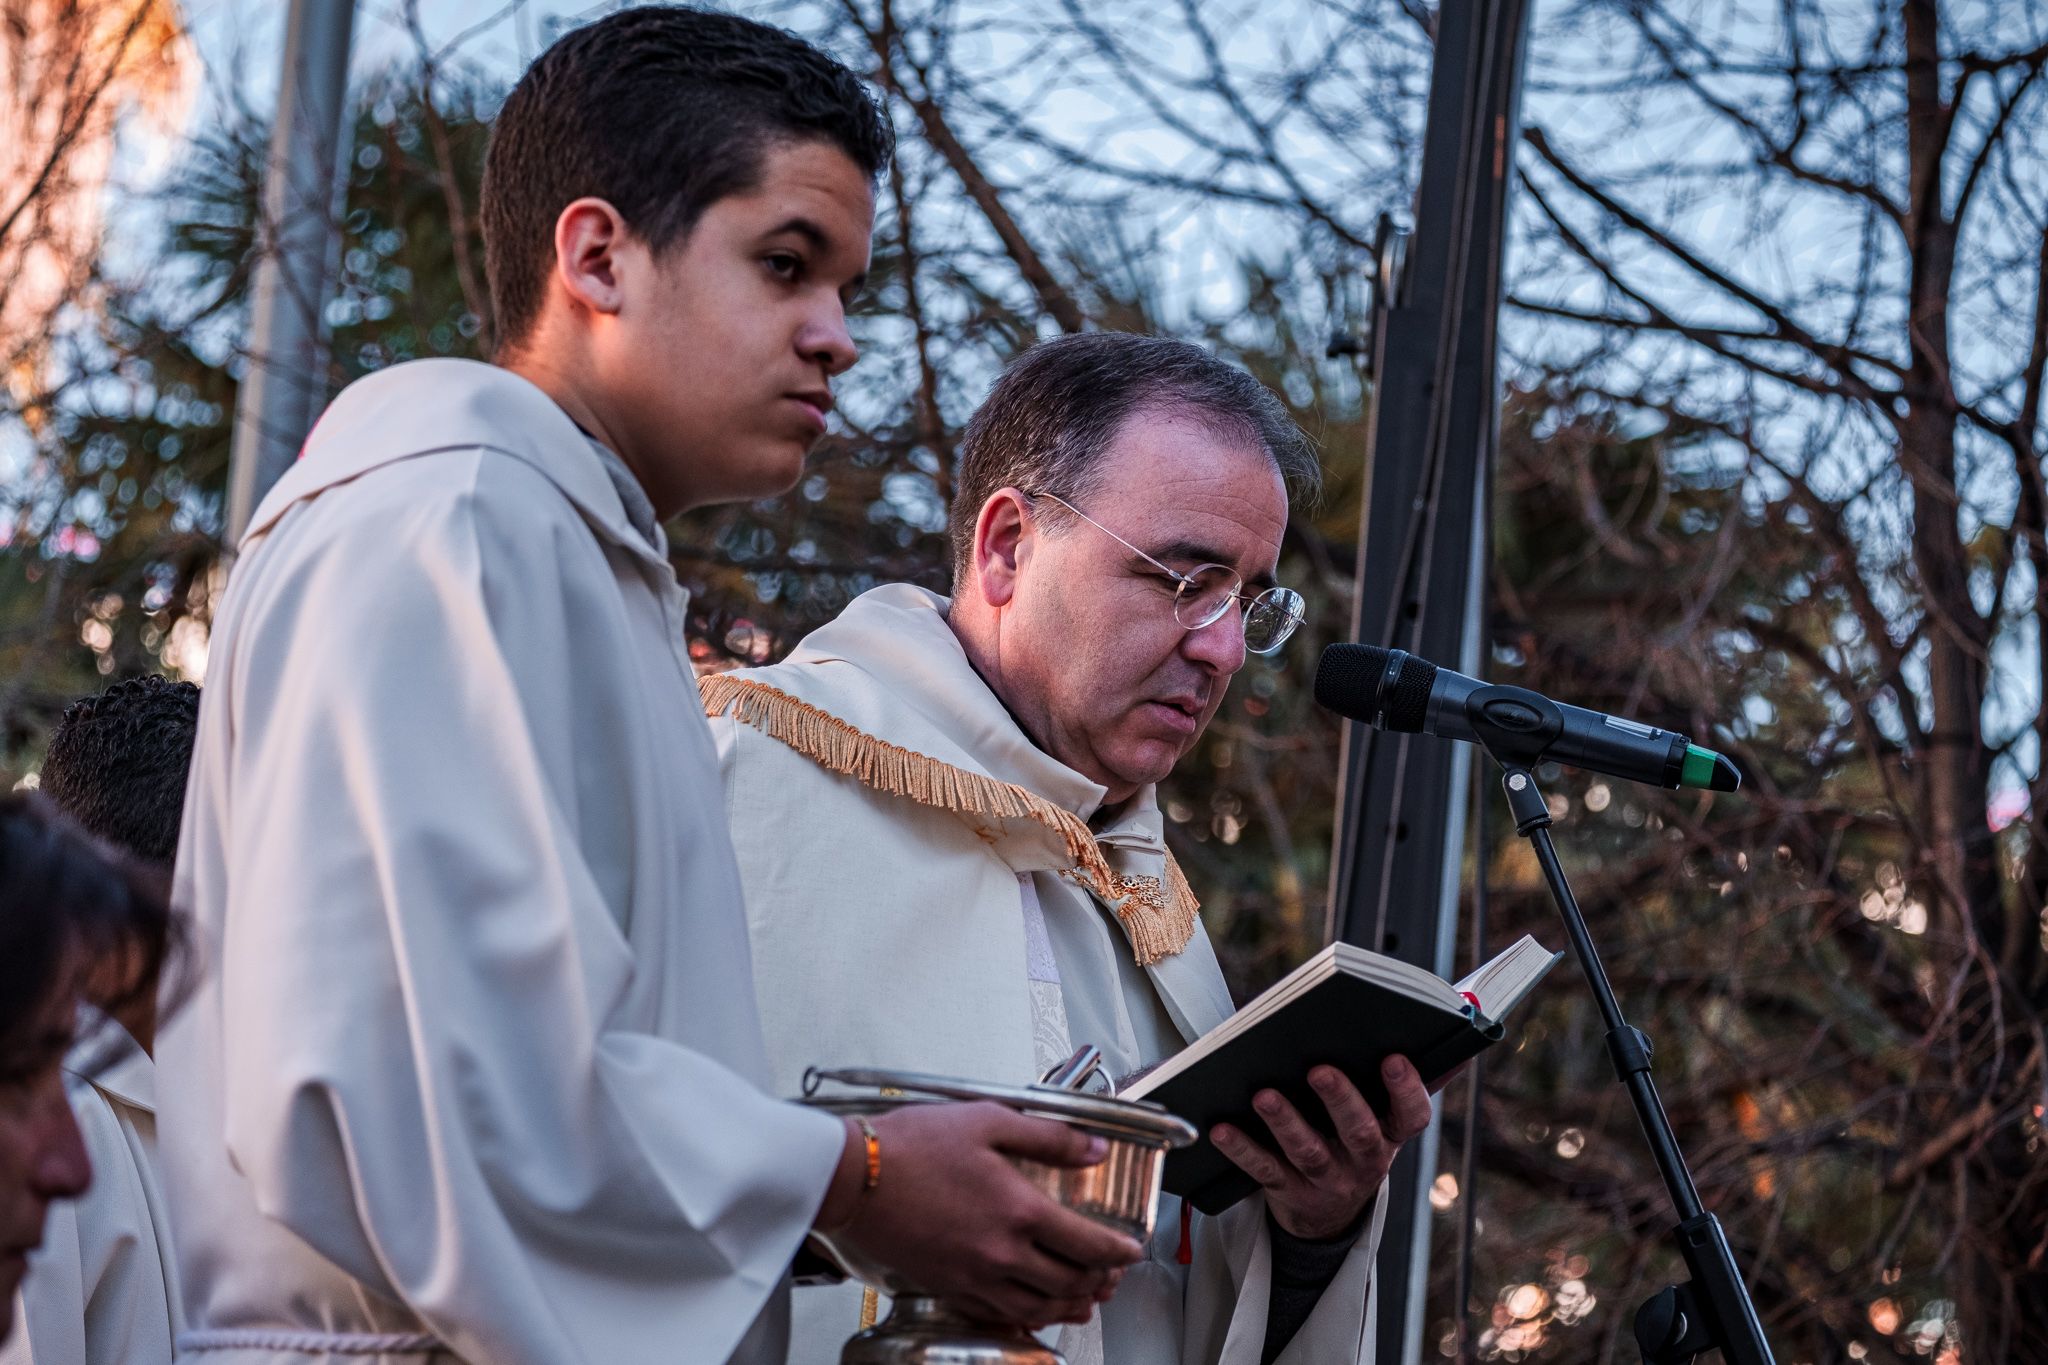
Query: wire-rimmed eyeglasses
pixel 1204 593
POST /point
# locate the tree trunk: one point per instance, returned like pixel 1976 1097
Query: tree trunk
pixel 2005 1303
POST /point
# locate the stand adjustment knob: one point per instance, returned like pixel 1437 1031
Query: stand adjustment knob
pixel 1668 1329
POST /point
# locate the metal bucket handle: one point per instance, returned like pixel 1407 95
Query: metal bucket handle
pixel 1134 1120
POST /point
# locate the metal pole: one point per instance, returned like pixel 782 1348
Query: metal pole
pixel 286 382
pixel 1401 822
pixel 1712 1311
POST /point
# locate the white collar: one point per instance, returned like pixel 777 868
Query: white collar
pixel 899 636
pixel 107 1057
pixel 425 406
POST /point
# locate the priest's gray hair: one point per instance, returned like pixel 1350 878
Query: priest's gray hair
pixel 1058 408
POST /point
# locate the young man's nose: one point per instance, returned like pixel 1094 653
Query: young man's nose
pixel 59 1167
pixel 825 340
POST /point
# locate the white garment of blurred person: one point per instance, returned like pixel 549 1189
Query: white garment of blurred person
pixel 75 919
pixel 102 1287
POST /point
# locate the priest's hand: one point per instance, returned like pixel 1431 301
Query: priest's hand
pixel 1317 1187
pixel 953 1217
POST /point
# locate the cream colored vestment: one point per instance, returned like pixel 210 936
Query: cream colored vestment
pixel 101 1290
pixel 896 897
pixel 472 1071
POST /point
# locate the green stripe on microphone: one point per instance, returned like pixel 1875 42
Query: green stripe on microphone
pixel 1708 770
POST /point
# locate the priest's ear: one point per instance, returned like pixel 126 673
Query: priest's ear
pixel 1002 545
pixel 590 240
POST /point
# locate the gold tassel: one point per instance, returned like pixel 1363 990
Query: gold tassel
pixel 1158 921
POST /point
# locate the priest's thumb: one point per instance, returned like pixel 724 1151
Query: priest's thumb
pixel 1043 1140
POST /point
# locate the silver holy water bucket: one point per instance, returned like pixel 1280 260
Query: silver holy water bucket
pixel 1122 1190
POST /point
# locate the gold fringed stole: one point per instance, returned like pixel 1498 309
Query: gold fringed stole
pixel 1158 920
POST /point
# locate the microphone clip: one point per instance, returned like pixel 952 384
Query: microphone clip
pixel 1516 725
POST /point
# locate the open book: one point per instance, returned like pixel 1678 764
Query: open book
pixel 1346 1007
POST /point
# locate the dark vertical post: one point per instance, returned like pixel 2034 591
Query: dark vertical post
pixel 1435 428
pixel 286 383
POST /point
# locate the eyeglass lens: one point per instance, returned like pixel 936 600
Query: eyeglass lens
pixel 1204 596
pixel 1207 594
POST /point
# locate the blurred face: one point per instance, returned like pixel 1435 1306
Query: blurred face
pixel 1084 647
pixel 42 1157
pixel 709 365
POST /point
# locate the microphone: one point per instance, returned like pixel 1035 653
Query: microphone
pixel 1391 689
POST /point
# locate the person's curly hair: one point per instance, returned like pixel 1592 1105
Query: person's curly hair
pixel 117 762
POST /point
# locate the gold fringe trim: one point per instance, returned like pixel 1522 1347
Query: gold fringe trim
pixel 1158 921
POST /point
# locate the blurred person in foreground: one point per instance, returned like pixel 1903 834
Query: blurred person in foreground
pixel 103 1287
pixel 954 857
pixel 474 1069
pixel 73 918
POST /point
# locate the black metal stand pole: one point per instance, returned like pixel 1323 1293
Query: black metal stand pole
pixel 1712 1310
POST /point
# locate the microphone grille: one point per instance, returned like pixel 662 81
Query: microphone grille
pixel 1352 681
pixel 1407 701
pixel 1348 680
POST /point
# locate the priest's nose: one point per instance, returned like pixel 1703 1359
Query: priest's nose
pixel 1219 646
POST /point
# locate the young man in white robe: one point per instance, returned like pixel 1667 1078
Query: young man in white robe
pixel 954 859
pixel 103 1287
pixel 474 1069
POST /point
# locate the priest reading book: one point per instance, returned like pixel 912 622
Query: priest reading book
pixel 1345 1007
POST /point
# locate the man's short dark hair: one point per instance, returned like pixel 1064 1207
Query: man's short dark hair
pixel 660 112
pixel 1059 406
pixel 117 764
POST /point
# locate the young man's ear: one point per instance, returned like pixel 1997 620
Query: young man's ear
pixel 589 236
pixel 1002 535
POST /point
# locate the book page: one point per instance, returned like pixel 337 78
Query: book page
pixel 1501 984
pixel 1418 983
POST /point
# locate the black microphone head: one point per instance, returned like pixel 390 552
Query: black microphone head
pixel 1348 681
pixel 1383 687
pixel 1406 699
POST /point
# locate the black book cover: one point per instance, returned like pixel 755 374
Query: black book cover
pixel 1345 1021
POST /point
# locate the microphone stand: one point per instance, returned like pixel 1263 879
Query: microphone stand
pixel 1712 1310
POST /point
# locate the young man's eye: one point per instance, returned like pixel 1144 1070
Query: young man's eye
pixel 784 264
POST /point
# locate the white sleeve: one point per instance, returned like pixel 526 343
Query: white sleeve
pixel 424 1079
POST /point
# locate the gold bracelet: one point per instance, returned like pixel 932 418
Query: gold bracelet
pixel 874 1154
